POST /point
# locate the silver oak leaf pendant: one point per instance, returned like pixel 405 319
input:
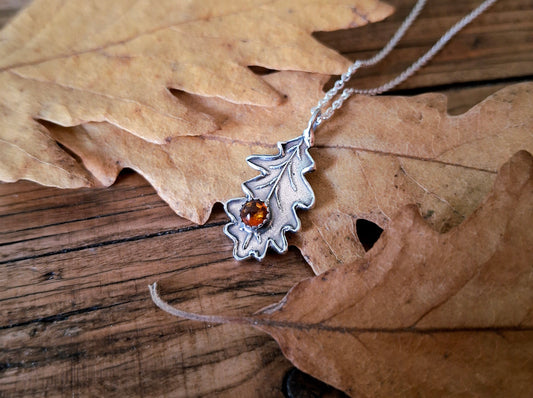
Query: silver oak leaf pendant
pixel 268 210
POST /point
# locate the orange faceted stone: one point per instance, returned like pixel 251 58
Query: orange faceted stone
pixel 254 213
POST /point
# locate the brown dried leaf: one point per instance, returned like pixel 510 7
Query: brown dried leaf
pixel 425 314
pixel 381 154
pixel 375 156
pixel 70 62
pixel 192 173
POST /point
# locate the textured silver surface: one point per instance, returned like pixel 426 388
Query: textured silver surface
pixel 283 187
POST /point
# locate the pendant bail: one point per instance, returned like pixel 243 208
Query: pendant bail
pixel 309 132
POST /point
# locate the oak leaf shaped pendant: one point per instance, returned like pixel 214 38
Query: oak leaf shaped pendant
pixel 268 210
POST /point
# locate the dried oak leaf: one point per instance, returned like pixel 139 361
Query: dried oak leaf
pixel 425 314
pixel 70 62
pixel 375 156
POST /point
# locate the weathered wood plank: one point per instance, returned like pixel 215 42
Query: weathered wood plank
pixel 81 322
pixel 70 220
pixel 499 45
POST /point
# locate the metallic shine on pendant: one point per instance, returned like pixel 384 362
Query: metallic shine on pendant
pixel 268 210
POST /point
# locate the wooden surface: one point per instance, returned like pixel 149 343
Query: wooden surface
pixel 75 314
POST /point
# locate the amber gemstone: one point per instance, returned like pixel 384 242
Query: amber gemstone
pixel 254 213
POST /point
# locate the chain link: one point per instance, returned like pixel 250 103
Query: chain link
pixel 419 63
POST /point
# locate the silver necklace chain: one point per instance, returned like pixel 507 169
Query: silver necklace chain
pixel 319 116
pixel 261 218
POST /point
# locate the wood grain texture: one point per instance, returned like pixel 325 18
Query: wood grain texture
pixel 75 314
pixel 498 45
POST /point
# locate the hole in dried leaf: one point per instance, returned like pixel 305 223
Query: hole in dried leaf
pixel 367 232
pixel 297 384
pixel 260 70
